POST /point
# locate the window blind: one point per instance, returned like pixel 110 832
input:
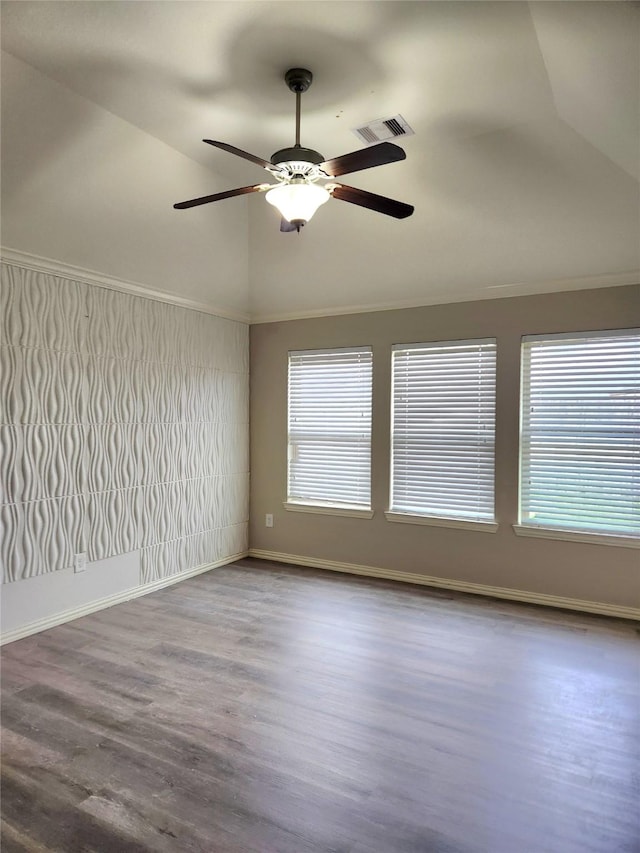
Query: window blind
pixel 580 432
pixel 330 427
pixel 443 429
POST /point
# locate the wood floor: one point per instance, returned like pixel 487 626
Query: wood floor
pixel 272 709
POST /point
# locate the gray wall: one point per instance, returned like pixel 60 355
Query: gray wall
pixel 574 570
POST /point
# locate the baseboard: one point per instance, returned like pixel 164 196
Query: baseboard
pixel 111 600
pixel 598 607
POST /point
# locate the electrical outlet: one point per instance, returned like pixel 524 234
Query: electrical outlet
pixel 268 520
pixel 80 562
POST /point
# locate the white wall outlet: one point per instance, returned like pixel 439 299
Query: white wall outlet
pixel 268 520
pixel 80 563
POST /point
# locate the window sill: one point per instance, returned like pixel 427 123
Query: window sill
pixel 577 536
pixel 327 509
pixel 436 521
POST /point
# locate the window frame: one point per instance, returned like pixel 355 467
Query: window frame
pixel 549 531
pixel 328 507
pixel 404 516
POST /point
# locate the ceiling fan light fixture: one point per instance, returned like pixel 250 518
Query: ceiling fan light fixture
pixel 297 197
pixel 297 202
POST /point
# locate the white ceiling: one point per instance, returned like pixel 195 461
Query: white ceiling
pixel 523 169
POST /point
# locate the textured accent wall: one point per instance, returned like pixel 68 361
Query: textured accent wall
pixel 124 426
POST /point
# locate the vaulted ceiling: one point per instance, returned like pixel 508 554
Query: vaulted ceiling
pixel 523 168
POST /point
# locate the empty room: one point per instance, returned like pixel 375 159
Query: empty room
pixel 320 426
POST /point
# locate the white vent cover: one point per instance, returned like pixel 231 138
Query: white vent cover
pixel 382 129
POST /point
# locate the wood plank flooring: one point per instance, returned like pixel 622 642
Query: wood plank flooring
pixel 268 709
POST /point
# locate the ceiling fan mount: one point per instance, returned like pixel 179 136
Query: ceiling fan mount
pixel 299 171
pixel 298 80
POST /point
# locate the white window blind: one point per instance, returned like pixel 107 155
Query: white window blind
pixel 443 429
pixel 330 427
pixel 580 432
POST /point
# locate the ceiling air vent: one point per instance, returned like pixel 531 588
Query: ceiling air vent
pixel 382 129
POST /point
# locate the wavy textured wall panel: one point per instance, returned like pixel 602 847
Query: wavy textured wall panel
pixel 114 523
pixel 10 468
pixel 10 379
pixel 113 456
pixel 231 458
pixel 162 511
pixel 159 389
pixel 51 387
pixel 197 494
pixel 53 532
pixel 59 307
pixel 123 426
pixel 231 539
pixel 52 461
pixel 111 393
pixel 111 324
pixel 12 541
pixel 10 322
pixel 198 438
pixel 162 452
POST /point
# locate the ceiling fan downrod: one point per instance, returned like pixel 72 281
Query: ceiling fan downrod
pixel 298 80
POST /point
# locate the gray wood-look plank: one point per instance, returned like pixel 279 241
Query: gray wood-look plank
pixel 268 709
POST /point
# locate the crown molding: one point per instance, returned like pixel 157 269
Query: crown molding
pixel 497 291
pixel 47 265
pixel 494 291
pixel 599 607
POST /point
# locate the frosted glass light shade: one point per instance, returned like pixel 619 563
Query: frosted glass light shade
pixel 297 202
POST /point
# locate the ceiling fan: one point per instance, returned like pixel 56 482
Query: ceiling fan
pixel 300 173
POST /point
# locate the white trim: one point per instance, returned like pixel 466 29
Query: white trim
pixel 305 353
pixel 48 265
pixel 111 600
pixel 436 521
pixel 51 267
pixel 320 509
pixel 457 343
pixel 577 536
pixel 597 334
pixel 495 291
pixel 601 608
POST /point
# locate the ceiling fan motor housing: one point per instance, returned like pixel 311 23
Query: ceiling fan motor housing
pixel 297 154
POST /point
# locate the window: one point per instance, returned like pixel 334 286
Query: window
pixel 330 428
pixel 580 433
pixel 443 431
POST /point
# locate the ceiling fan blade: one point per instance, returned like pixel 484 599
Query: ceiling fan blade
pixel 388 206
pixel 366 158
pixel 205 199
pixel 244 154
pixel 285 225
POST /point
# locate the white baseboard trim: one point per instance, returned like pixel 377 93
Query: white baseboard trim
pixel 111 600
pixel 598 607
